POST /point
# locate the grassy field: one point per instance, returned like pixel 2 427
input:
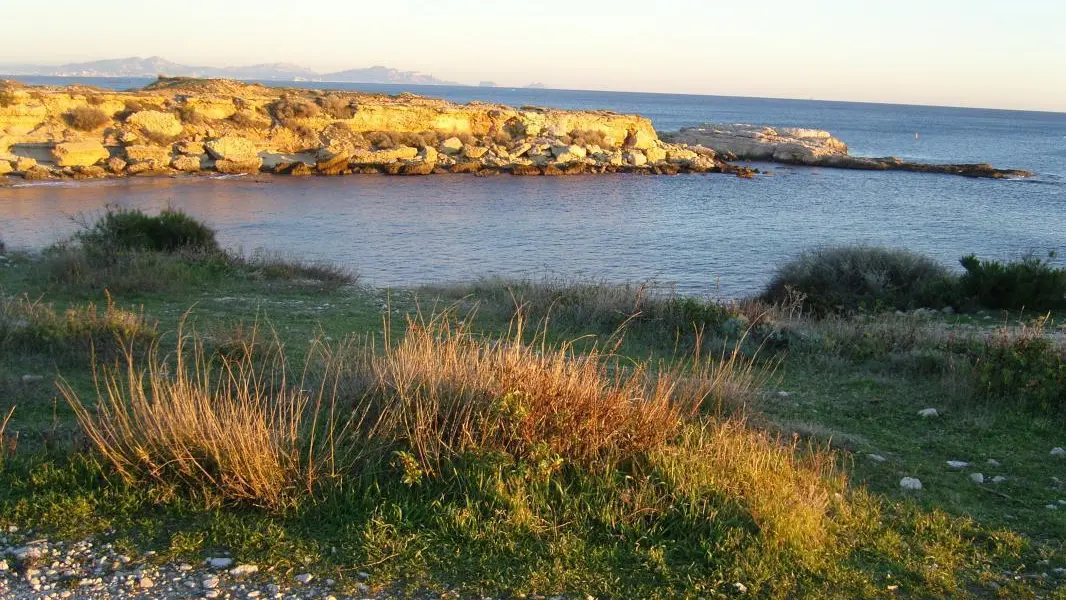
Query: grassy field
pixel 508 438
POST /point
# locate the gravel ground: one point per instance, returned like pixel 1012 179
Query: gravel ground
pixel 39 569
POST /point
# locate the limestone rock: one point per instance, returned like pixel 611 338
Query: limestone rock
pixel 475 152
pixel 655 154
pixel 79 154
pixel 236 167
pixel 635 158
pixel 1058 452
pixel 928 413
pixel 957 464
pixel 428 155
pixel 641 139
pixel 452 145
pixel 680 154
pixel 188 164
pixel 142 153
pixel 191 148
pixel 385 156
pixel 519 150
pixel 570 153
pixel 977 478
pixel 115 164
pixel 89 172
pixel 24 163
pixel 233 148
pixel 156 123
pixel 37 173
pixel 5 167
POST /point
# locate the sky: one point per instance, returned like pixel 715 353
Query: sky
pixel 985 53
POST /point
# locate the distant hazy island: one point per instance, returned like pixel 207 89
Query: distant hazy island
pixel 184 125
pixel 155 65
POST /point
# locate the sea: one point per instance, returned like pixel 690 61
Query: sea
pixel 709 235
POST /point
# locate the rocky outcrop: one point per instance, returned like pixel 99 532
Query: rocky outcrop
pixel 812 147
pixel 79 154
pixel 185 125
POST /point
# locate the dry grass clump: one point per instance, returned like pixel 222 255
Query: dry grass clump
pixel 35 326
pixel 292 107
pixel 234 430
pixel 84 118
pixel 441 392
pixel 249 120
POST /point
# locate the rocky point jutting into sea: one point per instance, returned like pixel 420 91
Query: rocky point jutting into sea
pixel 182 125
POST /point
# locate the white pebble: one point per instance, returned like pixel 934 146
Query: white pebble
pixel 1058 452
pixel 910 483
pixel 219 563
pixel 210 583
pixel 145 583
pixel 304 578
pixel 928 413
pixel 242 570
pixel 740 587
pixel 1051 507
pixel 998 479
pixel 958 464
pixel 977 478
pixel 993 462
pixel 877 458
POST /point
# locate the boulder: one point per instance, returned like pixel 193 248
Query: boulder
pixel 79 154
pixel 156 123
pixel 526 170
pixel 475 152
pixel 465 167
pixel 332 161
pixel 571 153
pixel 36 173
pixel 140 153
pixel 236 167
pixel 451 145
pixel 233 149
pixel 385 156
pixel 428 155
pixel 635 158
pixel 680 154
pixel 5 167
pixel 24 163
pixel 188 164
pixel 191 148
pixel 89 172
pixel 640 140
pixel 519 150
pixel 418 168
pixel 655 154
pixel 115 164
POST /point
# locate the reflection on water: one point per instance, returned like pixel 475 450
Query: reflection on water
pixel 694 230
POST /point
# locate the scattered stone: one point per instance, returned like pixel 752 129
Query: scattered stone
pixel 210 583
pixel 188 164
pixel 363 575
pixel 304 578
pixel 977 478
pixel 27 378
pixel 783 394
pixel 877 458
pixel 243 570
pixel 998 479
pixel 910 483
pixel 145 583
pixel 116 165
pixel 233 167
pixel 740 588
pixel 1058 452
pixel 451 145
pixel 993 462
pixel 25 163
pixel 957 464
pixel 79 154
pixel 1051 507
pixel 928 413
pixel 475 152
pixel 219 563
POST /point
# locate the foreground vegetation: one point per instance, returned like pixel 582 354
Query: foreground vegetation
pixel 521 437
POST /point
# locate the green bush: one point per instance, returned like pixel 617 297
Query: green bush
pixel 1027 368
pixel 1031 283
pixel 862 278
pixel 130 229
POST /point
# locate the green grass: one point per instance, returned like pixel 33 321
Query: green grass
pixel 501 524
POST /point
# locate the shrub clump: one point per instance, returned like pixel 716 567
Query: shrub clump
pixel 289 108
pixel 169 231
pixel 84 118
pixel 862 278
pixel 337 106
pixel 1031 283
pixel 1025 367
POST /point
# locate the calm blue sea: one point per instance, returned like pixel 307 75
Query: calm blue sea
pixel 705 234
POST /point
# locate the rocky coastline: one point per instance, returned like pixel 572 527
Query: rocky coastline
pixel 814 148
pixel 183 126
pixel 188 126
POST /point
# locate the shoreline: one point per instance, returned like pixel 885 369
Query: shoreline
pixel 189 126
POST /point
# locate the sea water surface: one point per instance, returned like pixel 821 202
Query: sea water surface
pixel 703 234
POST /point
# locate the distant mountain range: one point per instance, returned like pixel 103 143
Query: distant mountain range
pixel 153 66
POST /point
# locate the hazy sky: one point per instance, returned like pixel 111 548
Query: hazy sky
pixel 1006 53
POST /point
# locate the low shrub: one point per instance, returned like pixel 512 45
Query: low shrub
pixel 1025 367
pixel 587 137
pixel 84 118
pixel 289 108
pixel 130 229
pixel 337 106
pixel 190 116
pixel 1030 283
pixel 248 119
pixel 863 278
